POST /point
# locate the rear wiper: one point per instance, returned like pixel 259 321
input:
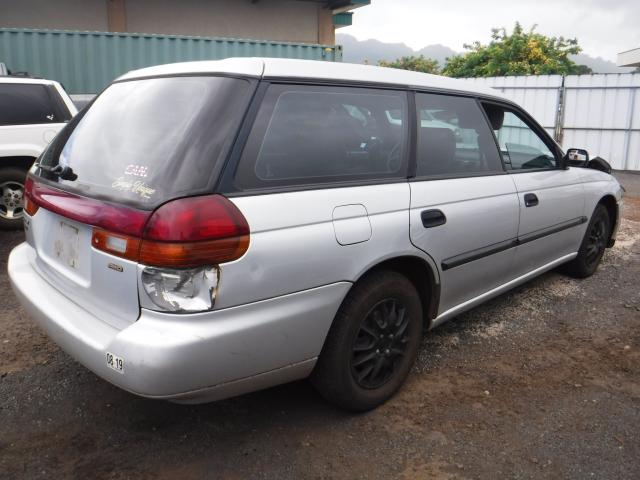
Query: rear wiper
pixel 63 172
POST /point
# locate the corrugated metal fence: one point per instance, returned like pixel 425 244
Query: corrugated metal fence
pixel 598 112
pixel 85 62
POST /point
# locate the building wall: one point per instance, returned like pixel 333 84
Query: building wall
pixel 278 20
pixel 58 14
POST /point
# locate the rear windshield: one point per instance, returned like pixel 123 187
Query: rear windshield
pixel 146 141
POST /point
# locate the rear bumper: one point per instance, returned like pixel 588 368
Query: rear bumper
pixel 187 358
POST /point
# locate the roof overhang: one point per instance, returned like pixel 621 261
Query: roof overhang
pixel 340 6
pixel 630 58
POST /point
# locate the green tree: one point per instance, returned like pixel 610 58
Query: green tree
pixel 413 63
pixel 519 53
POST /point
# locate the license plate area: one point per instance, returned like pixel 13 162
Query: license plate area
pixel 67 244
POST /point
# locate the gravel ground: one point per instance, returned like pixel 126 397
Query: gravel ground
pixel 541 382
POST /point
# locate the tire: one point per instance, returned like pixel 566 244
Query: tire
pixel 11 197
pixel 593 245
pixel 367 334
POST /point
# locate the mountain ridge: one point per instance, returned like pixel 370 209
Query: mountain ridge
pixel 372 51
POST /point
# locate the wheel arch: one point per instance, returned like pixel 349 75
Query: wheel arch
pixel 610 203
pixel 421 274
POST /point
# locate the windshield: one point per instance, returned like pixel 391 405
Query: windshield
pixel 146 141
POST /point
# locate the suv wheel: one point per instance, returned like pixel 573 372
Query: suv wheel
pixel 372 343
pixel 11 198
pixel 593 245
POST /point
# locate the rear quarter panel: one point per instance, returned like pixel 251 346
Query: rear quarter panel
pixel 294 246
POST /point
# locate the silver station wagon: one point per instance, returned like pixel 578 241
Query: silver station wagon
pixel 207 229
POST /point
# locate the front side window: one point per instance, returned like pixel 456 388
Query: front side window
pixel 453 137
pixel 29 104
pixel 521 146
pixel 309 135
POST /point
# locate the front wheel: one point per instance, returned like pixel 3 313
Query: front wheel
pixel 372 343
pixel 11 198
pixel 593 245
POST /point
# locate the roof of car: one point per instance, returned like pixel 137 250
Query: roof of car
pixel 310 69
pixel 20 79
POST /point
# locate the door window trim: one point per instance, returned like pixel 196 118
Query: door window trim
pixel 449 176
pixel 227 184
pixel 530 122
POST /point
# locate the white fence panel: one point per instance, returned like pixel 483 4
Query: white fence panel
pixel 537 94
pixel 598 112
pixel 602 114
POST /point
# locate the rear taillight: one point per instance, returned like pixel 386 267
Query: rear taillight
pixel 111 217
pixel 182 243
pixel 179 245
pixel 195 231
pixel 29 205
pixel 187 232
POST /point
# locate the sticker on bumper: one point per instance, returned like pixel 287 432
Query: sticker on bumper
pixel 115 363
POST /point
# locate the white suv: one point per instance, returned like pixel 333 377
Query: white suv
pixel 32 111
pixel 211 228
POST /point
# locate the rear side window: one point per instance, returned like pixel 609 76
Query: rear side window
pixel 26 104
pixel 143 142
pixel 310 134
pixel 453 137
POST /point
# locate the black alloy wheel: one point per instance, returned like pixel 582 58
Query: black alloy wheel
pixel 596 241
pixel 380 343
pixel 372 343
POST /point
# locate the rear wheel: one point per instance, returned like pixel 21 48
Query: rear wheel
pixel 11 198
pixel 372 343
pixel 593 245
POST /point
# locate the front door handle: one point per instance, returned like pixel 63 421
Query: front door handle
pixel 433 218
pixel 530 200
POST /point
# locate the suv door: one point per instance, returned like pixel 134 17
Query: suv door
pixel 464 208
pixel 552 206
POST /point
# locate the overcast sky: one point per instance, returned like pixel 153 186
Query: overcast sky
pixel 603 27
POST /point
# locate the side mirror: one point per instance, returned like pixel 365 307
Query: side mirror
pixel 576 157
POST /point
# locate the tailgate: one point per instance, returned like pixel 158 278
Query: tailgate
pixel 101 283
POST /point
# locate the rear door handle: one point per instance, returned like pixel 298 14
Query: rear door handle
pixel 432 218
pixel 530 200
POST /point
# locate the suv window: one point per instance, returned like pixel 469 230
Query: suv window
pixel 453 137
pixel 25 104
pixel 521 146
pixel 310 134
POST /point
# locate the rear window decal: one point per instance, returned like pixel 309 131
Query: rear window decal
pixel 137 187
pixel 136 170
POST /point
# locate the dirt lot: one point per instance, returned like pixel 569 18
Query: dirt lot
pixel 541 382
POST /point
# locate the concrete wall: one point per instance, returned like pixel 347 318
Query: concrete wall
pixel 279 20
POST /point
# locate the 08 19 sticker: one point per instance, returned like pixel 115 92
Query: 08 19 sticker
pixel 115 363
